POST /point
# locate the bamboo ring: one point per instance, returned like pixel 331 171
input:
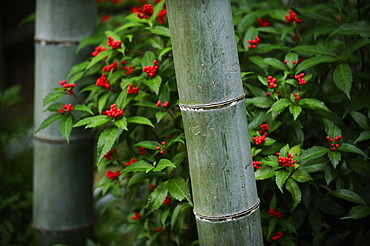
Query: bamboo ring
pixel 212 105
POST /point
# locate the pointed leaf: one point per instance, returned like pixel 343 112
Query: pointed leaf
pixel 312 50
pixel 353 46
pixel 163 163
pixel 301 176
pixel 361 28
pixel 343 78
pixel 363 136
pixel 99 57
pixel 334 157
pixel 361 120
pixel 310 62
pixel 294 190
pixel 106 140
pixel 313 103
pixel 280 179
pixel 159 115
pixel 52 96
pixel 275 63
pixel 49 120
pixel 147 144
pixel 358 212
pixel 139 166
pixel 346 147
pixel 331 129
pixel 179 189
pixel 121 123
pixel 139 120
pixel 65 127
pixel 349 196
pixel 295 111
pixel 280 105
pixel 83 108
pixel 157 196
pixel 147 59
pixel 160 30
pixel 313 152
pixel 154 83
pixel 91 119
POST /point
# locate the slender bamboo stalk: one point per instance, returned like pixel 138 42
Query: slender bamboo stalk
pixel 226 205
pixel 62 206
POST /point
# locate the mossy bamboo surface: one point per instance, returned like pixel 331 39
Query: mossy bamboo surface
pixel 215 122
pixel 62 207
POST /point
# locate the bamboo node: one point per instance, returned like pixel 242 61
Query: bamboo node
pixel 229 217
pixel 230 102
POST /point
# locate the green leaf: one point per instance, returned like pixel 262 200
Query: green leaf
pixel 76 77
pixel 331 129
pixel 272 225
pixel 160 30
pixel 65 127
pixel 315 219
pixel 264 173
pixel 312 50
pixel 313 103
pixel 179 189
pixel 259 62
pixel 330 173
pixel 157 196
pixel 147 59
pixel 147 144
pixel 334 157
pixel 295 111
pixel 52 96
pixel 343 78
pixel 293 188
pixel 361 120
pixel 102 101
pixel 139 120
pixel 159 115
pixel 121 123
pixel 280 105
pixel 250 34
pixel 154 83
pixel 359 165
pixel 313 152
pixel 361 28
pixel 363 136
pixel 280 179
pixel 352 47
pixel 265 48
pixel 83 108
pixel 91 120
pixel 163 51
pixel 139 166
pixel 310 62
pixel 301 176
pixel 106 140
pixel 346 147
pixel 163 163
pixel 348 195
pixel 275 63
pixel 128 25
pixel 261 102
pixel 286 224
pixel 357 212
pixel 49 120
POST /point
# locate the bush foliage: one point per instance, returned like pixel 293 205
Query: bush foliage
pixel 305 74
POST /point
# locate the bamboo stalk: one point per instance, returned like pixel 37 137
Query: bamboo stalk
pixel 226 203
pixel 62 206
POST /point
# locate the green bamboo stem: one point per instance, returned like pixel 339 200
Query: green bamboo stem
pixel 226 203
pixel 62 206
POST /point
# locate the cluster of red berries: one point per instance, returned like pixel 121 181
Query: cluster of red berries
pixel 263 23
pixel 162 16
pixel 294 62
pixel 152 187
pixel 113 44
pixel 112 175
pixel 300 78
pixel 151 70
pixel 110 67
pixel 264 129
pixel 159 102
pixel 273 213
pixel 259 139
pixel 67 87
pixel 277 236
pixel 129 69
pixel 136 216
pixel 257 164
pixel 108 155
pixel 296 96
pixel 132 90
pixel 292 17
pixel 114 112
pixel 333 142
pixel 144 12
pixel 253 43
pixel 167 201
pixel 98 50
pixel 271 82
pixel 158 229
pixel 286 161
pixel 142 150
pixel 103 82
pixel 132 160
pixel 104 18
pixel 66 108
pixel 160 148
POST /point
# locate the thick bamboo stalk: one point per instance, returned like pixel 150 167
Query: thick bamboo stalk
pixel 226 203
pixel 62 206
